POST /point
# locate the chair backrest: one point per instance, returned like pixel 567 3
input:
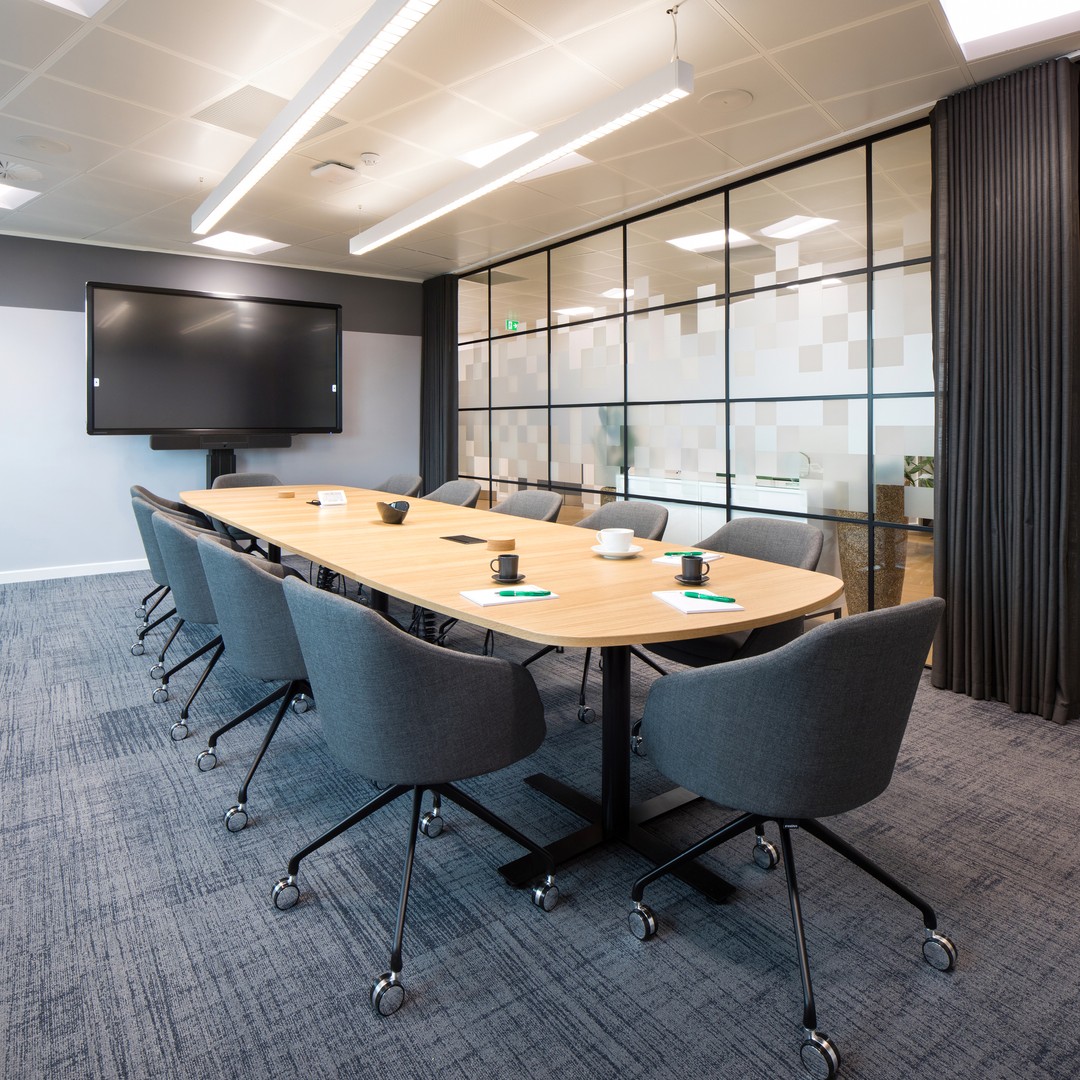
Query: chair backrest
pixel 144 519
pixel 253 618
pixel 177 509
pixel 807 731
pixel 407 484
pixel 178 543
pixel 648 520
pixel 246 479
pixel 456 492
pixel 792 543
pixel 538 505
pixel 403 711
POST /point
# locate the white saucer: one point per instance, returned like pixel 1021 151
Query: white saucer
pixel 629 554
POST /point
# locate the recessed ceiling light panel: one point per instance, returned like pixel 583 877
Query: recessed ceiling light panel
pixel 989 27
pixel 12 197
pixel 799 225
pixel 240 243
pixel 712 241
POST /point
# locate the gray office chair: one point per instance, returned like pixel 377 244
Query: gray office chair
pixel 403 711
pixel 807 731
pixel 194 604
pixel 144 514
pixel 534 504
pixel 235 480
pixel 258 632
pixel 791 543
pixel 406 484
pixel 648 520
pixel 456 493
pixel 158 593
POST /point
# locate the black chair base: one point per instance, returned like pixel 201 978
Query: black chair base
pixel 819 1054
pixel 387 991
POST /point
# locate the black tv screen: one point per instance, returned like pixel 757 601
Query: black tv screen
pixel 166 362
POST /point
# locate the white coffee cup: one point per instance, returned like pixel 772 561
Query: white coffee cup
pixel 615 539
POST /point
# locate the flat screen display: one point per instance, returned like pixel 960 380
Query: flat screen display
pixel 165 362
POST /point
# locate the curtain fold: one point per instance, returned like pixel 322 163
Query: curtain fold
pixel 1006 330
pixel 439 382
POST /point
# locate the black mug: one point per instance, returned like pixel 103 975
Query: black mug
pixel 506 567
pixel 694 569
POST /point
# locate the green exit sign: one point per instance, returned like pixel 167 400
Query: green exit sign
pixel 511 324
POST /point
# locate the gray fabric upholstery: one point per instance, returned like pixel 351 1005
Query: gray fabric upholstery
pixel 177 509
pixel 252 614
pixel 537 505
pixel 241 479
pixel 144 519
pixel 810 730
pixel 648 520
pixel 403 711
pixel 246 479
pixel 407 484
pixel 177 542
pixel 790 543
pixel 456 492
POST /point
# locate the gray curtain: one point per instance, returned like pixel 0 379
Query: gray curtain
pixel 439 382
pixel 1006 332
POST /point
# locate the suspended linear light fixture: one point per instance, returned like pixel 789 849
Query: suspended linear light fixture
pixel 384 25
pixel 674 81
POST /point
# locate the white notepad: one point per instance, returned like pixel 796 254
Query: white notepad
pixel 691 606
pixel 491 597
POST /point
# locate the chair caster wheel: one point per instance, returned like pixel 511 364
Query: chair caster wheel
pixel 138 649
pixel 206 760
pixel 236 818
pixel 765 853
pixel 637 746
pixel 179 731
pixel 585 714
pixel 161 695
pixel 938 951
pixel 157 671
pixel 286 893
pixel 301 703
pixel 431 824
pixel 546 896
pixel 820 1057
pixel 642 922
pixel 387 994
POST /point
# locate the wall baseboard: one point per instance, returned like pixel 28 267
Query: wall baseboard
pixel 44 573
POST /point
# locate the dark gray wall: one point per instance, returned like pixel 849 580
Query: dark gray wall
pixel 53 275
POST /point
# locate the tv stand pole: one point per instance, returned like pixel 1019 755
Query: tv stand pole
pixel 219 463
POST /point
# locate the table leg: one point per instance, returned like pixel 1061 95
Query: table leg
pixel 613 818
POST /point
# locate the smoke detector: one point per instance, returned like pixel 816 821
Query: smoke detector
pixel 369 158
pixel 333 172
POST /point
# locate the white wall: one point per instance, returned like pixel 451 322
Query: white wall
pixel 67 510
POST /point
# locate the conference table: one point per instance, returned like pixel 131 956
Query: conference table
pixel 598 602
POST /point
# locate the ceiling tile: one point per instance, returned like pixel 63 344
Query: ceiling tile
pixel 446 124
pixel 236 36
pixel 565 20
pixel 46 100
pixel 100 192
pixel 769 138
pixel 154 173
pixel 641 41
pixel 31 32
pixel 386 88
pixel 890 49
pixel 83 153
pixel 781 22
pixel 675 167
pixel 111 64
pixel 900 99
pixel 202 145
pixel 463 37
pixel 10 77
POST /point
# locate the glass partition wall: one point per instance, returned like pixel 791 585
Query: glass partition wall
pixel 764 349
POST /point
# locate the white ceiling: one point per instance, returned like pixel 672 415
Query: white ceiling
pixel 130 117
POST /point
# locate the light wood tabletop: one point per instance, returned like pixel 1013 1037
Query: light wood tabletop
pixel 599 601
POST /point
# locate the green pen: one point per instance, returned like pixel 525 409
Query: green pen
pixel 669 554
pixel 523 592
pixel 709 596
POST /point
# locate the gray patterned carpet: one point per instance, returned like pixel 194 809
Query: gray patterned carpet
pixel 138 938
